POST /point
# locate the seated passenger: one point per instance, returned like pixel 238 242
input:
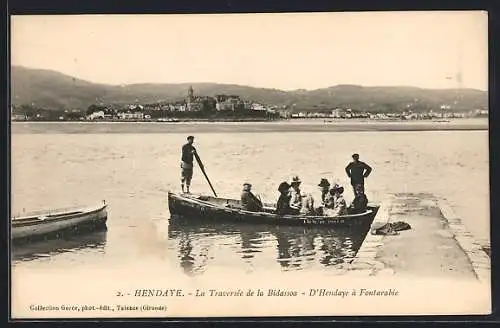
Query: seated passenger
pixel 360 201
pixel 295 196
pixel 326 198
pixel 249 201
pixel 329 201
pixel 324 186
pixel 307 205
pixel 283 204
pixel 340 207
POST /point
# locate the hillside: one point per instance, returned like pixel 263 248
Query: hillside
pixel 54 90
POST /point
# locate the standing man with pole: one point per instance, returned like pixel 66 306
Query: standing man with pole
pixel 188 152
pixel 358 171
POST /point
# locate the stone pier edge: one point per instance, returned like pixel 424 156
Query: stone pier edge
pixel 365 261
pixel 477 256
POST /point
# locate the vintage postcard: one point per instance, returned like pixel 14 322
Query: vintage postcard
pixel 306 164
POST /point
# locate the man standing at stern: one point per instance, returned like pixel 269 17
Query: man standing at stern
pixel 188 152
pixel 358 171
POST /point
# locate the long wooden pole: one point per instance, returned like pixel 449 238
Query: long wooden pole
pixel 202 167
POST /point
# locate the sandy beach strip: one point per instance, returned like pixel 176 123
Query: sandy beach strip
pixel 245 127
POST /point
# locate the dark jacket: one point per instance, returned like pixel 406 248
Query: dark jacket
pixel 358 171
pixel 283 204
pixel 188 153
pixel 249 202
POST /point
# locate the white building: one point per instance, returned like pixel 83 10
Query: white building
pixel 228 102
pixel 337 113
pixel 18 117
pixel 131 116
pixel 96 115
pixel 256 106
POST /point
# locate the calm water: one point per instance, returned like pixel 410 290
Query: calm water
pixel 134 171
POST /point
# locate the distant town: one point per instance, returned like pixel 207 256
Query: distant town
pixel 221 107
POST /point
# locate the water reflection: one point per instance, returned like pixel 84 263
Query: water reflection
pixel 251 242
pixel 185 248
pixel 294 245
pixel 200 244
pixel 45 248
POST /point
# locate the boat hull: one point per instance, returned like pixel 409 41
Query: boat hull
pixel 72 221
pixel 199 207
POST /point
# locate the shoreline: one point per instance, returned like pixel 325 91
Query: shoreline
pixel 22 127
pixel 325 120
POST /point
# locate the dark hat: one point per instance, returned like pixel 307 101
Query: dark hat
pixel 338 188
pixel 284 186
pixel 190 137
pixel 324 183
pixel 247 184
pixel 355 155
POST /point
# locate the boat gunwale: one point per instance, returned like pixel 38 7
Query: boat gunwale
pixel 56 217
pixel 270 215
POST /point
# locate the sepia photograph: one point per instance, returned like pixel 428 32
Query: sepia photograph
pixel 249 165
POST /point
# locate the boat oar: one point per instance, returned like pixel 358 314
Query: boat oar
pixel 198 159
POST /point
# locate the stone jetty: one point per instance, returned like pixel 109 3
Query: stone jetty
pixel 438 245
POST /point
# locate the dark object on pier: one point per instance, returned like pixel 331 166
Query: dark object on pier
pixel 391 228
pixel 208 208
pixel 70 220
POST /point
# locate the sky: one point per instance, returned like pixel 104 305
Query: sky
pixel 282 51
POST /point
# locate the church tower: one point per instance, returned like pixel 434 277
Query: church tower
pixel 190 94
pixel 190 98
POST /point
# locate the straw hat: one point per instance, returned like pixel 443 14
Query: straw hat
pixel 296 180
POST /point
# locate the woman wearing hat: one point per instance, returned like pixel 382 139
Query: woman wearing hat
pixel 300 203
pixel 340 206
pixel 295 196
pixel 283 204
pixel 326 197
pixel 324 186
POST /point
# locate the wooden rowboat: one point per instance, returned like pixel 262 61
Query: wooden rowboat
pixel 201 207
pixel 73 219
